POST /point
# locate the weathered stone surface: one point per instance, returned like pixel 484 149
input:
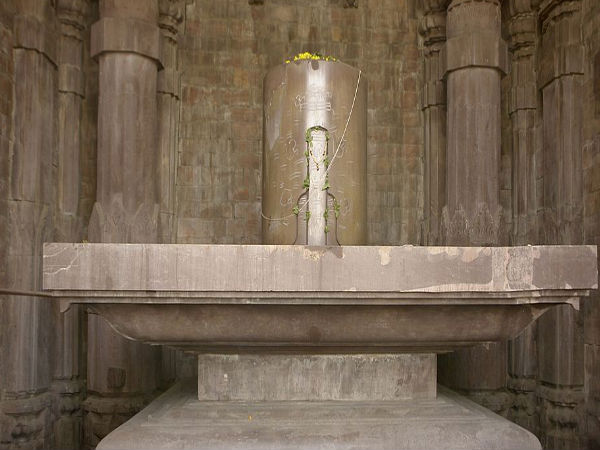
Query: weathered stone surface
pixel 178 420
pixel 258 378
pixel 474 59
pixel 311 297
pixel 316 269
pixel 28 82
pixel 126 42
pixel 433 102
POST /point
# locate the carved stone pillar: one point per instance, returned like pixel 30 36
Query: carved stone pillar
pixel 522 355
pixel 591 165
pixel 475 58
pixel 126 41
pixel 560 336
pixel 67 383
pixel 170 17
pixel 168 108
pixel 433 29
pixel 26 211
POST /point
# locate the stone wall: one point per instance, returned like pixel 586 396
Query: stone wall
pixel 226 50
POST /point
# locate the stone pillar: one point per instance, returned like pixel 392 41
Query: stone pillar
pixel 168 109
pixel 591 173
pixel 122 374
pixel 67 382
pixel 26 211
pixel 433 104
pixel 560 334
pixel 169 19
pixel 475 58
pixel 522 355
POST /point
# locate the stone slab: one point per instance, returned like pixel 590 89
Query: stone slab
pixel 295 268
pixel 178 420
pixel 375 377
pixel 302 299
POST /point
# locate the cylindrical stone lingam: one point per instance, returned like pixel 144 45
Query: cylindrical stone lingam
pixel 314 154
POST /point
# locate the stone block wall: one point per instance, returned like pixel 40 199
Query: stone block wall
pixel 225 51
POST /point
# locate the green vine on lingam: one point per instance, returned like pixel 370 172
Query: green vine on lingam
pixel 308 137
pixel 336 208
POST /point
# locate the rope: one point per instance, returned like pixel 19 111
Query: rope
pixel 346 127
pixel 332 158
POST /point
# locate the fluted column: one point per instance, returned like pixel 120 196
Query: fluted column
pixel 433 103
pixel 560 336
pixel 26 210
pixel 67 383
pixel 591 165
pixel 168 97
pixel 474 61
pixel 123 374
pixel 522 354
pixel 170 16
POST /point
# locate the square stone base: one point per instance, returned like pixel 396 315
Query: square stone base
pixel 178 420
pixel 281 377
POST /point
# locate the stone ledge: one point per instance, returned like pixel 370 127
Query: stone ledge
pixel 304 269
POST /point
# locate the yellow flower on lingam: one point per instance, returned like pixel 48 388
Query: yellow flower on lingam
pixel 309 55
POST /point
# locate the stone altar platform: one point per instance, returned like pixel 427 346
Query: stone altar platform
pixel 177 420
pixel 317 347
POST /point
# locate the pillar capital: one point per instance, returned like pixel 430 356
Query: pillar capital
pixel 473 37
pixel 562 52
pixel 34 28
pixel 432 26
pixel 169 17
pixel 115 34
pixel 522 26
pixel 71 12
pixel 554 10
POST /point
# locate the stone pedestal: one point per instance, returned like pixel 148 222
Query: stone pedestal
pixel 314 343
pixel 280 377
pixel 177 420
